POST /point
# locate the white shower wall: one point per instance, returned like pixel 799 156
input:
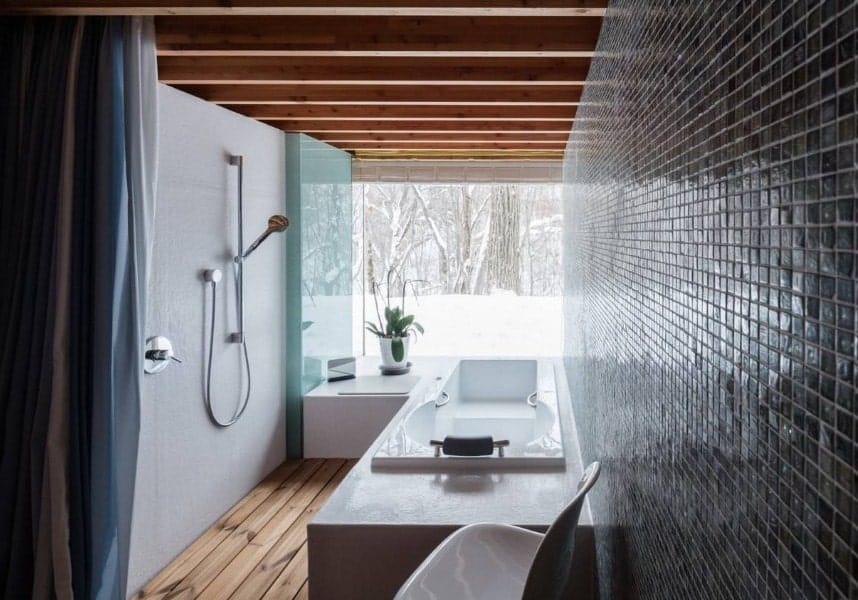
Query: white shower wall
pixel 189 471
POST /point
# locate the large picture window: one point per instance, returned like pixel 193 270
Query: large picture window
pixel 484 259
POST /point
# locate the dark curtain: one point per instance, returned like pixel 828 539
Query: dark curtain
pixel 33 106
pixel 70 318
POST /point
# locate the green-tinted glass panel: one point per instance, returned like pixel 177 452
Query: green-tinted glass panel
pixel 319 272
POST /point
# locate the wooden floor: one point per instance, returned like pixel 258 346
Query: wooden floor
pixel 258 549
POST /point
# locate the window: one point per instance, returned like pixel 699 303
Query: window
pixel 484 259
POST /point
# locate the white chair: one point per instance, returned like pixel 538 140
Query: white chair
pixel 496 562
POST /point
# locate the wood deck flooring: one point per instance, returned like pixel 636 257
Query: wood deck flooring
pixel 258 549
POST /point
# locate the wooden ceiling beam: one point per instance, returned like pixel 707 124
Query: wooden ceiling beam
pixel 458 155
pixel 417 79
pixel 415 134
pixel 511 145
pixel 386 94
pixel 334 137
pixel 376 36
pixel 344 112
pixel 313 127
pixel 362 71
pixel 553 8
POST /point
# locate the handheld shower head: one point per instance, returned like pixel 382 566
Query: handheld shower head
pixel 276 224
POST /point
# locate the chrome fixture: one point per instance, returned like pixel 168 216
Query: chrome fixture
pixel 158 354
pixel 276 224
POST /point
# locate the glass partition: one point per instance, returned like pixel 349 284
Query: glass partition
pixel 319 271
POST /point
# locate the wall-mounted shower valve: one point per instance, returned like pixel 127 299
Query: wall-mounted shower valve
pixel 212 275
pixel 158 354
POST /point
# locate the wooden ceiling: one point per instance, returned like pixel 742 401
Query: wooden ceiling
pixel 380 78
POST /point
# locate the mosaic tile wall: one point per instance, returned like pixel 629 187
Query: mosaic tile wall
pixel 710 309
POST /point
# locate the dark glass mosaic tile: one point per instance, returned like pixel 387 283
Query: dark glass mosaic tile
pixel 711 323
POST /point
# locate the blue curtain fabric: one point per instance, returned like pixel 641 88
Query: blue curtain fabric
pixel 71 314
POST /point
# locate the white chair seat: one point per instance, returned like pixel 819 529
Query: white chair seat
pixel 498 562
pixel 478 561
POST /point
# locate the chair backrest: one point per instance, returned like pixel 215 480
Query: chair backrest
pixel 550 575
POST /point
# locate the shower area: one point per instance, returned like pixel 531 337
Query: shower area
pixel 251 288
pixel 207 248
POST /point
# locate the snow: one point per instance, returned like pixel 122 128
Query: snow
pixel 501 324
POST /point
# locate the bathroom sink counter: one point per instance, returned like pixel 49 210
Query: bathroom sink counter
pixel 380 524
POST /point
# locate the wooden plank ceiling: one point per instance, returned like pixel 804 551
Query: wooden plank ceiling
pixel 380 78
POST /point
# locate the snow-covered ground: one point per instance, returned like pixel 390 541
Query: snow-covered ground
pixel 496 325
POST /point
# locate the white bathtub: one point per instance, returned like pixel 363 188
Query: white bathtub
pixel 513 402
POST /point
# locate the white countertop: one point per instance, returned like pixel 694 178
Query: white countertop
pixel 368 377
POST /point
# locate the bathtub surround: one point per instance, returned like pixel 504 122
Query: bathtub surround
pixel 79 138
pixel 395 518
pixel 190 472
pixel 710 309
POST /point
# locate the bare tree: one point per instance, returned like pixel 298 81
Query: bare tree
pixel 395 213
pixel 463 275
pixel 504 247
pixel 437 235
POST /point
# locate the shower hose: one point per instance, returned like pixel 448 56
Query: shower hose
pixel 208 395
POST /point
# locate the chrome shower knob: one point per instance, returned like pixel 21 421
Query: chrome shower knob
pixel 158 354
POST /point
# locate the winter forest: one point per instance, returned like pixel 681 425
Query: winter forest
pixel 460 239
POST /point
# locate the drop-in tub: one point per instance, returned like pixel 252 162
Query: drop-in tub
pixel 495 414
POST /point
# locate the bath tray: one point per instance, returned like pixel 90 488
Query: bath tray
pixel 376 385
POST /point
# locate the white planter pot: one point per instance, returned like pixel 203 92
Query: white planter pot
pixel 387 360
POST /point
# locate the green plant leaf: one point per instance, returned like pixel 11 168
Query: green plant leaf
pixel 372 328
pixel 418 326
pixel 397 349
pixel 402 325
pixel 389 320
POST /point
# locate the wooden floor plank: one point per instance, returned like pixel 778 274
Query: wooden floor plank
pixel 199 578
pixel 289 515
pixel 304 592
pixel 258 549
pixel 291 579
pixel 205 544
pixel 286 548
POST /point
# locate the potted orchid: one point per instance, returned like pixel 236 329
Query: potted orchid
pixel 395 328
